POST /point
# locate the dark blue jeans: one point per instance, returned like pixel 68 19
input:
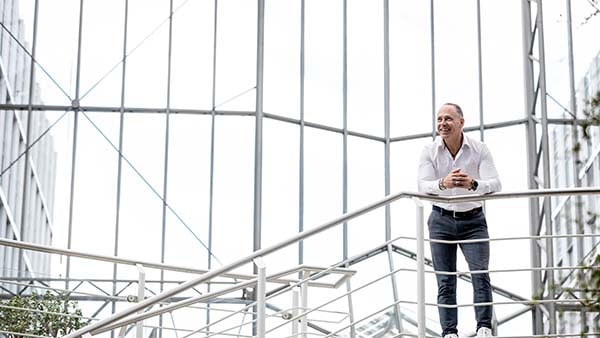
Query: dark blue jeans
pixel 447 227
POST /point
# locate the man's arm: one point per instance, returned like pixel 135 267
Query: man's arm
pixel 489 181
pixel 428 182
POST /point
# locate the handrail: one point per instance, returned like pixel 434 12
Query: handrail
pixel 114 259
pixel 313 231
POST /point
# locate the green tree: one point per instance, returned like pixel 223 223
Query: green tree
pixel 43 315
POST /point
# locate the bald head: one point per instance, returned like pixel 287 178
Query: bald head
pixel 456 107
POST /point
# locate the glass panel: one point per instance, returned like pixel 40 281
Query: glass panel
pixel 502 61
pixel 233 189
pixel 365 185
pixel 236 55
pixel 56 56
pixel 102 53
pixel 365 67
pixel 280 190
pixel 282 58
pixel 509 217
pixel 147 48
pixel 404 163
pixel 556 56
pixel 95 192
pixel 188 190
pixel 141 205
pixel 410 68
pixel 456 57
pixel 323 77
pixel 192 56
pixel 322 195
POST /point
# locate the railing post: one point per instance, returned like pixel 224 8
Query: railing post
pixel 260 296
pixel 141 292
pixel 420 269
pixel 304 304
pixel 295 303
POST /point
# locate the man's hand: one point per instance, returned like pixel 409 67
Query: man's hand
pixel 457 179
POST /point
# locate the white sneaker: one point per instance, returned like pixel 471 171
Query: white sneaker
pixel 484 332
pixel 451 335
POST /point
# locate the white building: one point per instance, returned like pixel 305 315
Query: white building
pixel 33 208
pixel 569 218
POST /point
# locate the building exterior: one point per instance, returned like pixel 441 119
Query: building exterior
pixel 36 204
pixel 576 162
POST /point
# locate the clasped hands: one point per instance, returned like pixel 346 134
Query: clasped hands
pixel 457 179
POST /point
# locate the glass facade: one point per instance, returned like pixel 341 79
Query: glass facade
pixel 192 133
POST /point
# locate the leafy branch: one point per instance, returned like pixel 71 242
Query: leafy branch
pixel 42 315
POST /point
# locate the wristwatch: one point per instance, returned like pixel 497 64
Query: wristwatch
pixel 474 185
pixel 441 184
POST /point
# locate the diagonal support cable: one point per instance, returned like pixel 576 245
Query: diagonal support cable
pixel 150 186
pixel 103 77
pixel 32 144
pixel 35 61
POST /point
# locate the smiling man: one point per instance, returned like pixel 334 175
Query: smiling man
pixel 455 164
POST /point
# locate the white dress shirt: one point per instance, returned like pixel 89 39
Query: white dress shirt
pixel 473 158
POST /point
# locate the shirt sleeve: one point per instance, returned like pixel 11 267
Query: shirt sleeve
pixel 428 182
pixel 489 181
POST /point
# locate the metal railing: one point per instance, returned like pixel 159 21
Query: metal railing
pixel 117 319
pixel 299 313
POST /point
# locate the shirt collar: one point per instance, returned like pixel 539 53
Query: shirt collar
pixel 439 142
pixel 440 146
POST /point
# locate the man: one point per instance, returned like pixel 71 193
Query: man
pixel 455 164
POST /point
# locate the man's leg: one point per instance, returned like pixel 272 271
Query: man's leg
pixel 444 259
pixel 477 256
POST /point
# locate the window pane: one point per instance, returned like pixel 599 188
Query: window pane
pixel 323 77
pixel 410 67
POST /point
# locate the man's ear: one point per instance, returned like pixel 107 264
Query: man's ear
pixel 462 122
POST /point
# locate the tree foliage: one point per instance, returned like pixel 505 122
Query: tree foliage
pixel 49 315
pixel 592 115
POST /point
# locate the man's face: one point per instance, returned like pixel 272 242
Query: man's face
pixel 449 122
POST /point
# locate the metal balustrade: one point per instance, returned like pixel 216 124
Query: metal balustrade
pixel 297 289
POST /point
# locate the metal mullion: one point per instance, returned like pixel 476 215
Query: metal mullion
pixel 432 41
pixel 212 151
pixel 466 129
pixel 480 71
pixel 258 138
pixel 546 168
pixel 534 219
pixel 166 155
pixel 120 158
pixel 75 105
pixel 301 141
pixel 26 171
pixel 258 127
pixel 345 128
pixel 345 152
pixel 386 105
